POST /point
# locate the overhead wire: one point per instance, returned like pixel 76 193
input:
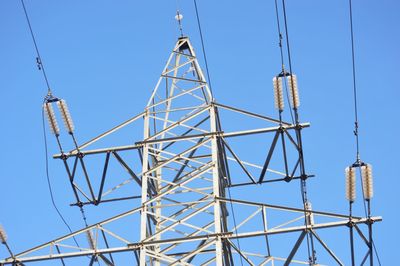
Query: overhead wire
pixel 234 223
pixel 356 121
pixel 202 44
pixel 303 187
pixel 49 97
pixel 42 69
pixel 355 100
pixel 287 36
pixel 354 84
pixel 210 86
pixel 49 181
pixel 282 57
pixel 38 57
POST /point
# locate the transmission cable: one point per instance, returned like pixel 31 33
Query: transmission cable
pixel 287 36
pixel 354 84
pixel 356 122
pixel 303 186
pixel 38 57
pixel 234 223
pixel 282 58
pixel 209 82
pixel 202 44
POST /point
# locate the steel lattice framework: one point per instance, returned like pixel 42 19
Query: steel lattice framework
pixel 181 178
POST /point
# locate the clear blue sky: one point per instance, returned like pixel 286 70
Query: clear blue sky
pixel 104 58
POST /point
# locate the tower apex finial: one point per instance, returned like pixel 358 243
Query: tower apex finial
pixel 179 18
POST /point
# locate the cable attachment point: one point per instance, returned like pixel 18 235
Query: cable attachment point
pixel 39 63
pixel 355 128
pixel 280 40
pixel 49 98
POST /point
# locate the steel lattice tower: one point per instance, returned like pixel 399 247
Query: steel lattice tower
pixel 184 217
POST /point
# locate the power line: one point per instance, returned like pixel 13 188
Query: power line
pixel 287 36
pixel 358 162
pixel 303 185
pixel 354 84
pixel 38 57
pixel 282 58
pixel 234 223
pixel 202 43
pixel 209 82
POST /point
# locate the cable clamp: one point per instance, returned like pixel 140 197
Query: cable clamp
pixel 39 63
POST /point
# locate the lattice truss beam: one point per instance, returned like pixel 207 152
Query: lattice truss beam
pixel 179 182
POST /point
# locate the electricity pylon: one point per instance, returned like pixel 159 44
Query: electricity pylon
pixel 181 178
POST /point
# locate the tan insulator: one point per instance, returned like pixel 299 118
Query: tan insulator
pixel 350 184
pixel 3 235
pixel 367 179
pixel 51 118
pixel 278 93
pixel 294 92
pixel 309 215
pixel 66 116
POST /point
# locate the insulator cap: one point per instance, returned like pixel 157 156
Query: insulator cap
pixel 66 116
pixel 90 239
pixel 294 92
pixel 3 235
pixel 367 180
pixel 278 93
pixel 51 118
pixel 350 184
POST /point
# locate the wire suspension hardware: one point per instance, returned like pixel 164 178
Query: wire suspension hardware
pixel 365 170
pixel 69 126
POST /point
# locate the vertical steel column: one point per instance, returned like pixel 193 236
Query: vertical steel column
pixel 371 243
pixel 351 234
pixel 216 188
pixel 145 167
